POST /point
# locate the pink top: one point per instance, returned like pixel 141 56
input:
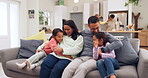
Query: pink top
pixel 110 54
pixel 50 45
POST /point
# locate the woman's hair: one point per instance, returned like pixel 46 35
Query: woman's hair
pixel 101 35
pixel 73 26
pixel 55 31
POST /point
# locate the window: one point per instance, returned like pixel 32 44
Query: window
pixel 44 18
pixel 3 19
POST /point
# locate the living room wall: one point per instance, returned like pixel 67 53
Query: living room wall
pixel 142 22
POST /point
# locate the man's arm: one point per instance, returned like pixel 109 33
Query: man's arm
pixel 114 43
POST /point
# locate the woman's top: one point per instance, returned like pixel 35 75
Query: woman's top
pixel 70 47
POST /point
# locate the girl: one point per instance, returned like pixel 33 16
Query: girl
pixel 43 50
pixel 72 44
pixel 106 61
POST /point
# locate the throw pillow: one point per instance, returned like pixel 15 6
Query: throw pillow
pixel 39 36
pixel 126 55
pixel 28 48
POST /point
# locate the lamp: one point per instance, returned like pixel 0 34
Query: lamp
pixel 76 1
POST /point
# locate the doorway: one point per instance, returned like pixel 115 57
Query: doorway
pixel 78 19
pixel 9 24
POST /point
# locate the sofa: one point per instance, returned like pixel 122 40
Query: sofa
pixel 9 58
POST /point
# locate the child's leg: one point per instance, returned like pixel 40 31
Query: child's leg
pixel 33 66
pixel 36 57
pixel 111 64
pixel 102 68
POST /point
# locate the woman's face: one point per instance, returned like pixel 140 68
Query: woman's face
pixel 59 37
pixel 68 30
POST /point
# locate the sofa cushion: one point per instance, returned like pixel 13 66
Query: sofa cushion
pixel 135 42
pixel 28 48
pixel 39 36
pixel 11 65
pixel 123 72
pixel 126 55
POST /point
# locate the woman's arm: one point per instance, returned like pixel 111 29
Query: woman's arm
pixel 74 50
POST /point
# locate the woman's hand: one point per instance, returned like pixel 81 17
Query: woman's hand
pixel 57 49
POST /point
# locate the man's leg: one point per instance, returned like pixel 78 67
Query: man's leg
pixel 47 66
pixel 84 68
pixel 70 69
pixel 59 68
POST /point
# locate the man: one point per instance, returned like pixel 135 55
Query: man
pixel 80 66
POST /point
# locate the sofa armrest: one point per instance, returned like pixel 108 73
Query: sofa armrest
pixel 143 63
pixel 8 54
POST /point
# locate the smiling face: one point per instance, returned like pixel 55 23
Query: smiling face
pixel 68 30
pixel 59 37
pixel 94 27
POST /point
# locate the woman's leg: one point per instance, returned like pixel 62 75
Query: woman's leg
pixel 101 68
pixel 59 68
pixel 111 64
pixel 47 66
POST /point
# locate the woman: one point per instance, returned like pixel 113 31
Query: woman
pixel 72 44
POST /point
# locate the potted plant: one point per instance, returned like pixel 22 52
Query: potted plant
pixel 134 2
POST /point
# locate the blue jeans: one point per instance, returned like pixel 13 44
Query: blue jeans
pixel 107 67
pixel 53 67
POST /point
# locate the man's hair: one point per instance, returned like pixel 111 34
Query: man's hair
pixel 112 16
pixel 93 19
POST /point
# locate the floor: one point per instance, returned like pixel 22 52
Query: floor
pixel 2 75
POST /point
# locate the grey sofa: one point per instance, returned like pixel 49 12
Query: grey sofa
pixel 8 59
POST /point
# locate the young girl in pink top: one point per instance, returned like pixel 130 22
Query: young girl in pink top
pixel 43 50
pixel 106 62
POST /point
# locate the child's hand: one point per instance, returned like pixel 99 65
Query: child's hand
pixel 38 51
pixel 57 49
pixel 99 51
pixel 95 44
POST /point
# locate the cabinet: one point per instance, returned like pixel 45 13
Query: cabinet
pixel 60 12
pixel 143 37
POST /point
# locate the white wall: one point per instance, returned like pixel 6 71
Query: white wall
pixel 143 20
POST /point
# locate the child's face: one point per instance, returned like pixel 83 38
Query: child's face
pixel 59 37
pixel 97 42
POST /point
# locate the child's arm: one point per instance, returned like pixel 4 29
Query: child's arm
pixel 95 53
pixel 111 54
pixel 41 47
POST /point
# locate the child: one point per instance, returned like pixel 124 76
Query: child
pixel 44 50
pixel 106 62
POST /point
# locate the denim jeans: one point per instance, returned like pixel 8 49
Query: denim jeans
pixel 53 67
pixel 107 66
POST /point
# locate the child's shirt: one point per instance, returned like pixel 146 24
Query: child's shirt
pixel 49 48
pixel 110 54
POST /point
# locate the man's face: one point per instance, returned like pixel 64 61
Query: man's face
pixel 94 27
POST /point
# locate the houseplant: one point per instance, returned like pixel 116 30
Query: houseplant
pixel 134 2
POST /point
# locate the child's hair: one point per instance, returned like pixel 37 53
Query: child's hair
pixel 101 35
pixel 55 31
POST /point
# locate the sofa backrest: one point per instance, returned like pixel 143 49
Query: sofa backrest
pixel 135 42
